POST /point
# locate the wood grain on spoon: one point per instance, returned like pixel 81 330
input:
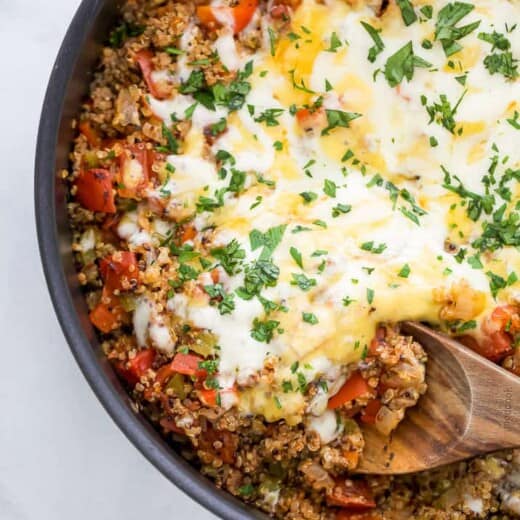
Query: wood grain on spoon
pixel 471 407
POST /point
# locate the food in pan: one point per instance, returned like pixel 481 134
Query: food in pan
pixel 260 193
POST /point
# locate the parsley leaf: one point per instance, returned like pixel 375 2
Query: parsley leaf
pixel 442 112
pixel 263 331
pixel 230 256
pixel 407 12
pixel 308 196
pixel 297 256
pixel 445 28
pixel 269 240
pixel 269 116
pixel 378 46
pixel 401 65
pixel 329 188
pixel 340 209
pixel 309 317
pixel 372 248
pixel 404 272
pixel 338 118
pixel 303 282
pixel 335 43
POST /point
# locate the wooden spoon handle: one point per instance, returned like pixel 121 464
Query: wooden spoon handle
pixel 495 396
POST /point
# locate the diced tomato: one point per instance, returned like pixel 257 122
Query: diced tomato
pixel 90 134
pixel 369 413
pixel 189 232
pixel 188 365
pixel 94 190
pixel 215 275
pixel 356 386
pixel 136 367
pixel 352 494
pixel 208 396
pixel 504 318
pixel 119 271
pixel 495 346
pixel 311 119
pixel 144 59
pixel 134 171
pixel 241 14
pixel 106 318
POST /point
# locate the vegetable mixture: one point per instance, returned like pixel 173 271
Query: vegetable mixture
pixel 260 192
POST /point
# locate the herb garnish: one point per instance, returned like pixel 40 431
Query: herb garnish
pixel 401 65
pixel 378 46
pixel 445 29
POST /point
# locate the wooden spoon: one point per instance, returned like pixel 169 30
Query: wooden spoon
pixel 471 407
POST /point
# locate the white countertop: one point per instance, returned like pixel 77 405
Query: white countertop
pixel 61 456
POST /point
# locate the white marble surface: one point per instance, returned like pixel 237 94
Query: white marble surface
pixel 61 456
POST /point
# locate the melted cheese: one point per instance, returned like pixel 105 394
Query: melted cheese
pixel 391 139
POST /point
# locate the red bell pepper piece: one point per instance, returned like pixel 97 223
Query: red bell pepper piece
pixel 94 190
pixel 356 386
pixel 106 318
pixel 369 413
pixel 352 494
pixel 119 271
pixel 137 367
pixel 134 171
pixel 144 60
pixel 240 15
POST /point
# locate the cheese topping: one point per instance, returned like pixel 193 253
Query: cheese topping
pixel 368 177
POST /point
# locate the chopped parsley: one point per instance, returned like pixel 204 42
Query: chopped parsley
pixel 296 256
pixel 263 330
pixel 442 112
pixel 446 30
pixel 341 209
pixel 308 196
pixel 515 120
pixel 496 283
pixel 225 302
pixel 335 43
pixel 378 46
pixel 172 145
pixel 401 65
pixel 426 11
pixel 268 240
pixel 370 296
pixel 269 116
pixel 407 12
pixel 230 257
pixel 404 272
pixel 329 188
pixel 347 301
pixel 338 118
pixel 231 95
pixel 303 282
pixel 372 248
pixel 309 317
pixel 260 274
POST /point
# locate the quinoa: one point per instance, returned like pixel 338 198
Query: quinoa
pixel 282 468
